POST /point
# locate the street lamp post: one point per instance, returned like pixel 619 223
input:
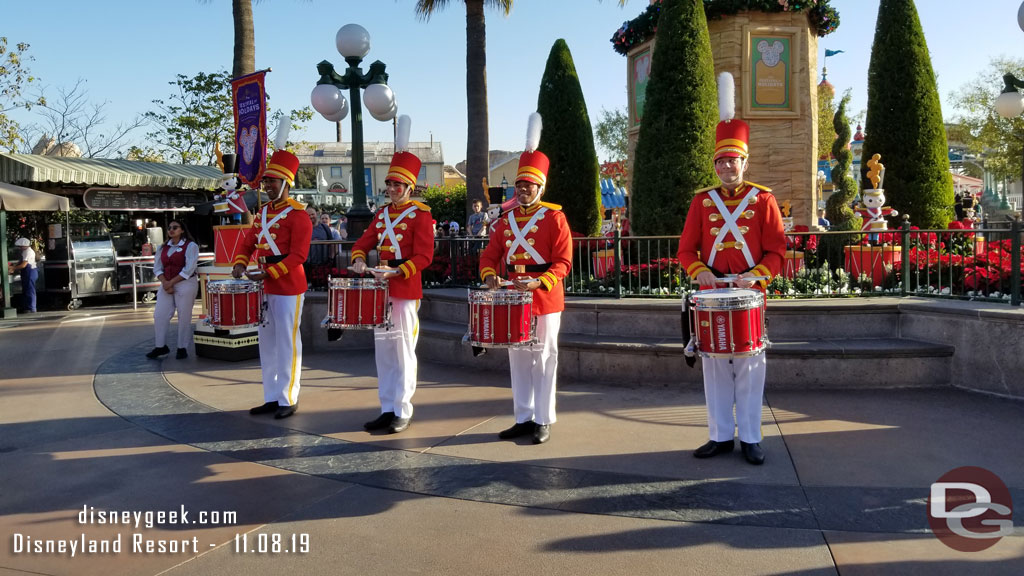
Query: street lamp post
pixel 1010 104
pixel 353 42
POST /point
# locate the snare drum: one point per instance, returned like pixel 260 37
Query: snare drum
pixel 358 303
pixel 501 319
pixel 728 322
pixel 234 303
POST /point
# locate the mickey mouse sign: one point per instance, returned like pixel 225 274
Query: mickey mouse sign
pixel 768 71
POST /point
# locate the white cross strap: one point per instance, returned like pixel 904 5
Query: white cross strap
pixel 729 225
pixel 389 229
pixel 520 236
pixel 265 232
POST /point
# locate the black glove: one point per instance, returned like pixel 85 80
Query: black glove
pixel 334 334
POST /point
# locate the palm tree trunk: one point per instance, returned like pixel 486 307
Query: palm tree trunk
pixel 245 39
pixel 477 157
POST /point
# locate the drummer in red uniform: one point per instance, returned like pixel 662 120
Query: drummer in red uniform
pixel 403 234
pixel 735 229
pixel 280 237
pixel 533 241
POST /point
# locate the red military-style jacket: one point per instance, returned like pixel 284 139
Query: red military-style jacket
pixel 549 237
pixel 413 229
pixel 283 224
pixel 759 225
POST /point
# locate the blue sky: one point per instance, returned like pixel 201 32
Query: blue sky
pixel 128 51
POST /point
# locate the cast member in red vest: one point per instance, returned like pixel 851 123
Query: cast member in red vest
pixel 175 266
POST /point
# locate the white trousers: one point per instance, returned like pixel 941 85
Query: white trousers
pixel 281 348
pixel 740 382
pixel 182 300
pixel 534 370
pixel 395 353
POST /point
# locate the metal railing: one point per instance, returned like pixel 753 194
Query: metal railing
pixel 972 264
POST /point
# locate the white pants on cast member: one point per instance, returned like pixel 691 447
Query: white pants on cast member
pixel 741 383
pixel 281 348
pixel 395 354
pixel 182 300
pixel 534 370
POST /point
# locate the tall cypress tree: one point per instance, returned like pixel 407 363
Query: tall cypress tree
pixel 837 209
pixel 677 136
pixel 568 141
pixel 904 121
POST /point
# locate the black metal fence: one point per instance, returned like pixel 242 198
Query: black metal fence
pixel 969 264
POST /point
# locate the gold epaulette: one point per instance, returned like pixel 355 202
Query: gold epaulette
pixel 550 206
pixel 296 204
pixel 421 205
pixel 758 186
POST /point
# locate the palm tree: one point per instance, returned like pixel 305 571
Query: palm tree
pixel 245 39
pixel 477 140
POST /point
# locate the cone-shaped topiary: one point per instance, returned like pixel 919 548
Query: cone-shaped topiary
pixel 904 120
pixel 677 136
pixel 568 141
pixel 837 209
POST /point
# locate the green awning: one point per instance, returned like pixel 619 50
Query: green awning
pixel 28 169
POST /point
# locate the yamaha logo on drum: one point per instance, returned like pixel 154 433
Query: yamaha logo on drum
pixel 720 333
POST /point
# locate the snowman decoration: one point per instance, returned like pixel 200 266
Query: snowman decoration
pixel 230 202
pixel 872 208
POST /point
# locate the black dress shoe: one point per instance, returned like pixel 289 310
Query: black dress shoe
pixel 285 411
pixel 753 453
pixel 382 421
pixel 517 430
pixel 182 354
pixel 158 352
pixel 399 424
pixel 713 448
pixel 542 434
pixel 264 409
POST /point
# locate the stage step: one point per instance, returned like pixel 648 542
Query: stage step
pixel 642 361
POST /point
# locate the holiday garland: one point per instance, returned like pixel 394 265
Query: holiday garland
pixel 822 16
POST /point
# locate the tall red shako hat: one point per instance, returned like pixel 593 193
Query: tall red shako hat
pixel 405 166
pixel 731 135
pixel 283 164
pixel 533 164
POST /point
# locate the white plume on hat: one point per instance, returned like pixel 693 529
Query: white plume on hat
pixel 21 242
pixel 284 125
pixel 402 133
pixel 726 97
pixel 533 128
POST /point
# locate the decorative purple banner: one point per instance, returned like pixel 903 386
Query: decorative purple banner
pixel 249 96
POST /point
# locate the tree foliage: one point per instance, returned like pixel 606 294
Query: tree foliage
pixel 677 136
pixel 568 141
pixel 14 78
pixel 826 114
pixel 612 133
pixel 446 202
pixel 71 118
pixel 904 120
pixel 194 118
pixel 1000 141
pixel 837 209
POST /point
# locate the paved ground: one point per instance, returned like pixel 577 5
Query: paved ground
pixel 90 424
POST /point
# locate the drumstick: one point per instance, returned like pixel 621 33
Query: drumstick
pixel 379 270
pixel 733 278
pixel 502 283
